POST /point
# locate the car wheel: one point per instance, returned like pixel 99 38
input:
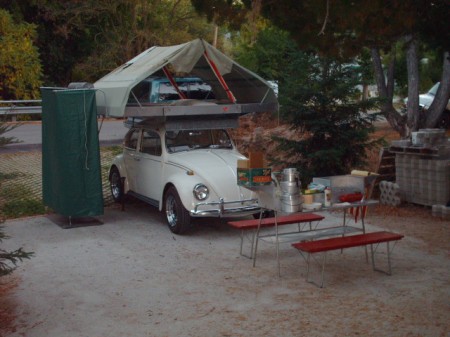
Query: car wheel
pixel 177 216
pixel 116 185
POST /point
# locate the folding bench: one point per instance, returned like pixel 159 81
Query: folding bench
pixel 325 245
pixel 254 224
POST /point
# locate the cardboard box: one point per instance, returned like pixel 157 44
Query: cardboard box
pixel 254 176
pixel 243 163
pixel 256 159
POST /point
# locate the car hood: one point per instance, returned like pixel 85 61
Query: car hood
pixel 216 168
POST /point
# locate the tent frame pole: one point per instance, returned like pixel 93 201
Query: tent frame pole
pixel 173 82
pixel 220 78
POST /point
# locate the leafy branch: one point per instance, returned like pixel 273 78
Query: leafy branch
pixel 10 260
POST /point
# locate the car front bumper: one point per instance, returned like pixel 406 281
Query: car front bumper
pixel 225 209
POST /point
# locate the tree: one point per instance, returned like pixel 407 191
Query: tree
pixel 317 99
pixel 342 28
pixel 20 70
pixel 81 40
pixel 321 106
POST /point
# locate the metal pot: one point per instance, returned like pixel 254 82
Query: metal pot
pixel 291 199
pixel 291 174
pixel 285 207
pixel 289 187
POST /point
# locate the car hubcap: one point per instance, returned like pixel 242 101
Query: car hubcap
pixel 171 211
pixel 115 185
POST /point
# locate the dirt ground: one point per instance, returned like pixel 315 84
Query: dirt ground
pixel 131 277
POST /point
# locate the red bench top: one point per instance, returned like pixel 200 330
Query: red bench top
pixel 282 220
pixel 346 242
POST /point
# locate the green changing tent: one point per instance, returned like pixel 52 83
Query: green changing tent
pixel 71 173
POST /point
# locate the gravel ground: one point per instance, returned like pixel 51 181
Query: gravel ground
pixel 129 276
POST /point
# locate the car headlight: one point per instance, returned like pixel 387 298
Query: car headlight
pixel 201 192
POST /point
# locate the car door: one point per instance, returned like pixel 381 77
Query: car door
pixel 131 156
pixel 150 166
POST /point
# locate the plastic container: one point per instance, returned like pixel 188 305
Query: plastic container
pixel 327 202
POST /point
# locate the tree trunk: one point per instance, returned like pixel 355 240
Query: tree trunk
pixel 365 92
pixel 437 108
pixel 412 65
pixel 386 93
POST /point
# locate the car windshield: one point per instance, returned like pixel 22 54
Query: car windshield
pixel 186 140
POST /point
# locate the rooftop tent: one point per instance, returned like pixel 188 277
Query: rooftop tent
pixel 196 58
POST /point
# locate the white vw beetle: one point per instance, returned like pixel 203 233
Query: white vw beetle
pixel 185 173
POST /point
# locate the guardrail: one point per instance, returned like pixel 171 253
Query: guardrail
pixel 20 107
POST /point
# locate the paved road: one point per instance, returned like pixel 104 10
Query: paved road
pixel 30 134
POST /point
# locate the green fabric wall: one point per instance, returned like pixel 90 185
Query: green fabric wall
pixel 71 170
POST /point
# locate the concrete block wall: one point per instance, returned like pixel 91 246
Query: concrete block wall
pixel 423 181
pixel 389 193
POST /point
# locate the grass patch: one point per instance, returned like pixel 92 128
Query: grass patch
pixel 114 150
pixel 15 191
pixel 23 207
pixel 10 176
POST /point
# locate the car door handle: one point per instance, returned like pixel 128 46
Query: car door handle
pixel 137 158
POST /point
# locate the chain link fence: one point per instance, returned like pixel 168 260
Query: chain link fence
pixel 21 182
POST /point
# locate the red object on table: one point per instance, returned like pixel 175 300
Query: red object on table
pixel 352 197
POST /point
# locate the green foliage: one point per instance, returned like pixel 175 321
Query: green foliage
pixel 430 68
pixel 5 127
pixel 84 40
pixel 10 260
pixel 321 105
pixel 222 12
pixel 20 69
pixel 317 99
pixel 269 56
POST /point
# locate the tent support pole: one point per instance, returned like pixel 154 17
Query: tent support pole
pixel 220 78
pixel 173 82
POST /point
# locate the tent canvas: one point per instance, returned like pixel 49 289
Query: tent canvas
pixel 194 58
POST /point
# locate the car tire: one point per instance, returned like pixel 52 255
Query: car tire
pixel 116 184
pixel 177 216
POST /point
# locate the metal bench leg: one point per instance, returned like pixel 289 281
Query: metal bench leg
pixel 256 239
pixel 323 269
pixel 322 272
pixel 364 231
pixel 307 266
pixel 242 241
pixel 252 242
pixel 388 252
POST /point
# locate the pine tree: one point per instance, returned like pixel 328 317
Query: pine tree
pixel 319 100
pixel 9 259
